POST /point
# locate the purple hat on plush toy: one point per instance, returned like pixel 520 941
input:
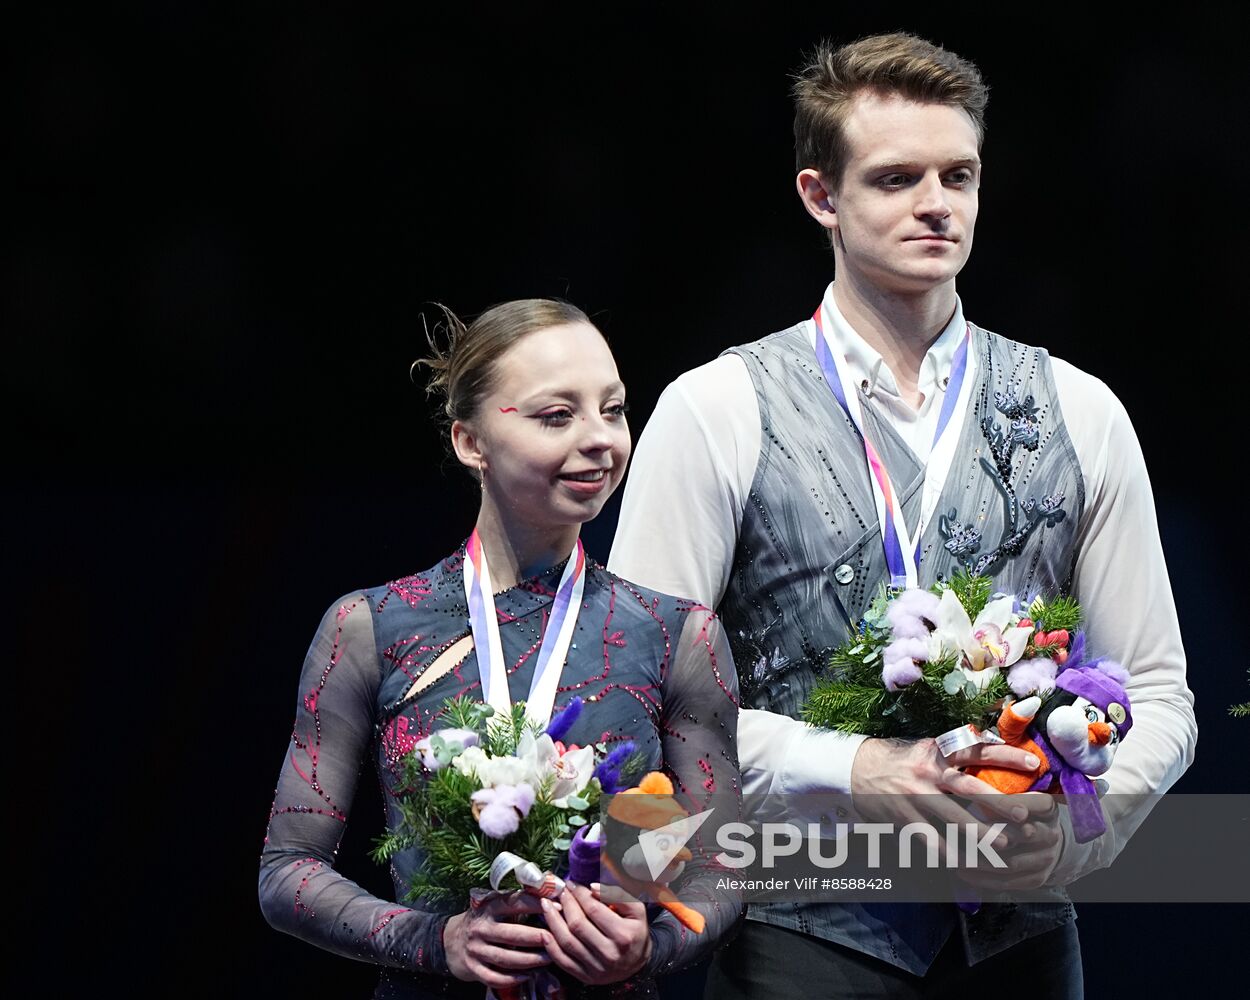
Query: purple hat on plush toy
pixel 1102 683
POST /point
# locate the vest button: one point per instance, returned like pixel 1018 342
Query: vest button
pixel 844 574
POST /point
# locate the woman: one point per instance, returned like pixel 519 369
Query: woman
pixel 537 415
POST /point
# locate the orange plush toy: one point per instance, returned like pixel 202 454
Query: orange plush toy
pixel 1013 729
pixel 651 806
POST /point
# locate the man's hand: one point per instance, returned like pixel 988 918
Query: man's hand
pixel 904 768
pixel 911 782
pixel 484 944
pixel 899 781
pixel 595 943
pixel 1033 847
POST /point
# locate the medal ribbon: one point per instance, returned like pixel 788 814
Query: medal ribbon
pixel 942 451
pixel 901 555
pixel 556 638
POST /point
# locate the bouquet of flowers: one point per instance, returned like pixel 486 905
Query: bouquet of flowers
pixel 490 800
pixel 925 662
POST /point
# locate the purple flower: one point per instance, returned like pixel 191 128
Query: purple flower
pixel 564 719
pixel 912 613
pixel 499 810
pixel 1076 651
pixel 609 770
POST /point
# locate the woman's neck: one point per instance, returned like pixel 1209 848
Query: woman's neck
pixel 517 552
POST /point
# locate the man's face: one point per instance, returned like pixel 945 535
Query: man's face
pixel 907 204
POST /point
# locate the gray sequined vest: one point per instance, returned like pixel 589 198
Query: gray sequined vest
pixel 809 561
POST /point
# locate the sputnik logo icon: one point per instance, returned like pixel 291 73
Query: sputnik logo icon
pixel 660 846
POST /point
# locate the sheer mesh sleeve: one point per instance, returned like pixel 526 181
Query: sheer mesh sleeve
pixel 300 892
pixel 699 734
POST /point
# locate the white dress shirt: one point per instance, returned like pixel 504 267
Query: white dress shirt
pixel 687 490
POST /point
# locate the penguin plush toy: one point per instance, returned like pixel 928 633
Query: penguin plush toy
pixel 1074 731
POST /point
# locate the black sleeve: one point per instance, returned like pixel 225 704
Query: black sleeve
pixel 300 892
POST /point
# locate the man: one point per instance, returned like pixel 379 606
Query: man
pixel 751 492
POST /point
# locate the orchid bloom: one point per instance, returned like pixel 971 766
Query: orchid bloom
pixel 988 645
pixel 571 769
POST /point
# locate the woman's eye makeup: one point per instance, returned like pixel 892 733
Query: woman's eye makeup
pixel 556 417
pixel 559 416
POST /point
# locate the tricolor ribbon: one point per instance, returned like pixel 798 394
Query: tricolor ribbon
pixel 531 878
pixel 484 622
pixel 902 556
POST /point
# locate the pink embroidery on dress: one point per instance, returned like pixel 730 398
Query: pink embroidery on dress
pixel 702 634
pixel 411 589
pixel 309 777
pixel 310 745
pixel 710 784
pixel 308 810
pixel 536 586
pixel 704 637
pixel 411 655
pixel 396 739
pixel 300 905
pixel 387 917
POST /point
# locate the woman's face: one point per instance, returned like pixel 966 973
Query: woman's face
pixel 551 437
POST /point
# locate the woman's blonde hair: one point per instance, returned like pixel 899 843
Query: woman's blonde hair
pixel 462 358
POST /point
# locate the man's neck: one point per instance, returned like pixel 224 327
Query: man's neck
pixel 901 328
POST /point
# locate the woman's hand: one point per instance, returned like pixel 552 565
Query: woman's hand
pixel 593 942
pixel 485 944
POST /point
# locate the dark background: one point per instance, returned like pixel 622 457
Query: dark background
pixel 224 225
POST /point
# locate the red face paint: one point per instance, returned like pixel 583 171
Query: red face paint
pixel 507 409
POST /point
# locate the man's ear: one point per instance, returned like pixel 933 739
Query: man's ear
pixel 817 198
pixel 467 445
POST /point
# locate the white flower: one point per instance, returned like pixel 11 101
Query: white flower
pixel 491 771
pixel 539 762
pixel 988 645
pixel 570 771
pixel 454 741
